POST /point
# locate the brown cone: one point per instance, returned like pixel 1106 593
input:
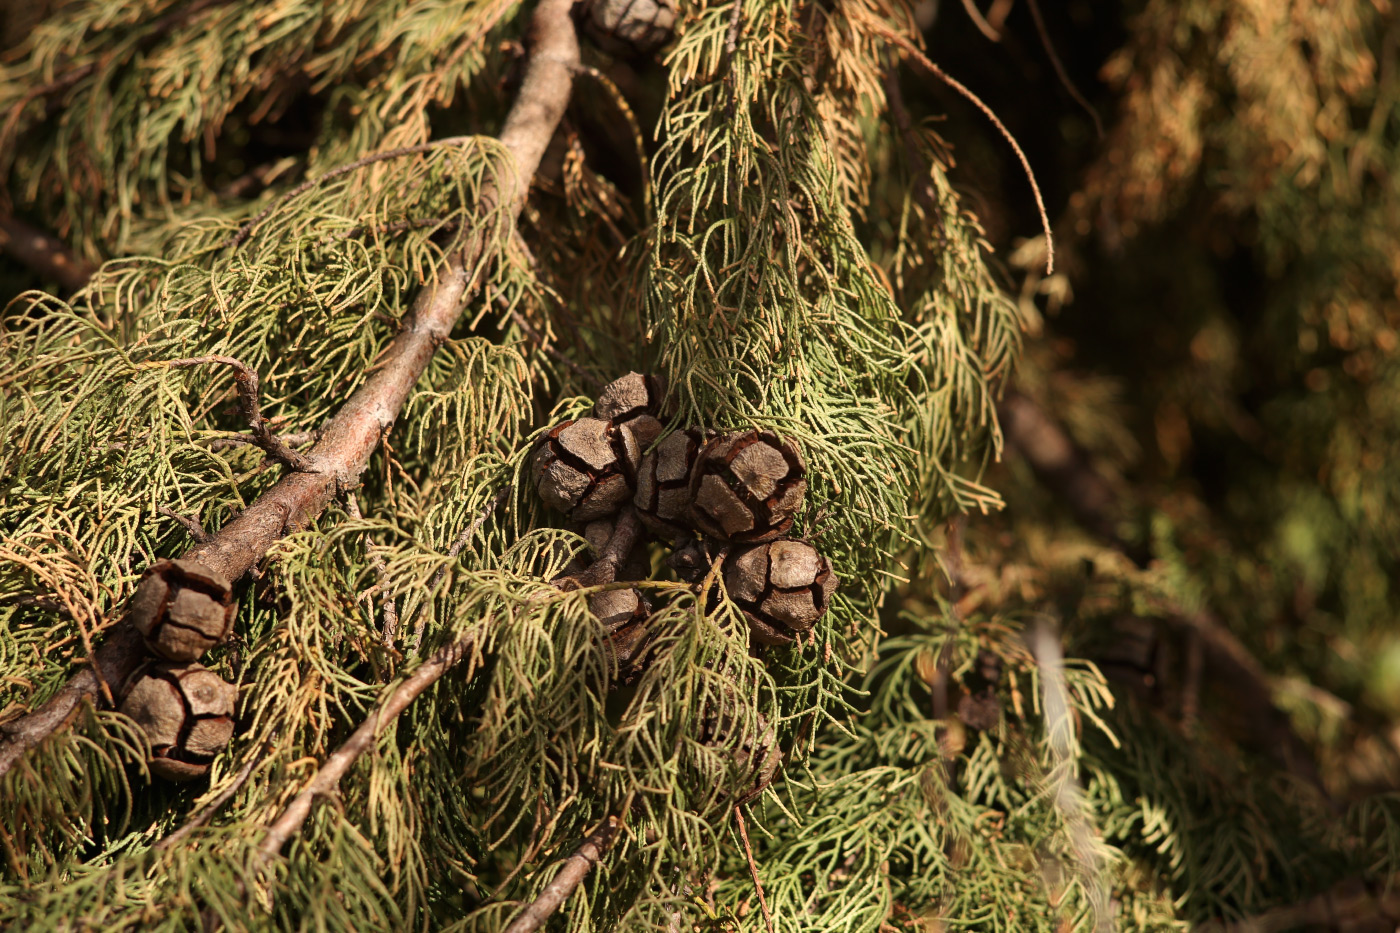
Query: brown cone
pixel 663 497
pixel 584 468
pixel 756 759
pixel 630 28
pixel 634 400
pixel 783 587
pixel 186 712
pixel 747 487
pixel 182 609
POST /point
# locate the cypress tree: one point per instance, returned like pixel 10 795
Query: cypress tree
pixel 742 465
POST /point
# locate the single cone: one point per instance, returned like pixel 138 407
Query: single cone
pixel 754 758
pixel 782 586
pixel 182 609
pixel 624 614
pixel 630 28
pixel 186 710
pixel 663 497
pixel 585 468
pixel 747 487
pixel 634 400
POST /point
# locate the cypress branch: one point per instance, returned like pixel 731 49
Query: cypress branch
pixel 343 450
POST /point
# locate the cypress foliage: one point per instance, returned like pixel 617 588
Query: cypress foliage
pixel 1112 643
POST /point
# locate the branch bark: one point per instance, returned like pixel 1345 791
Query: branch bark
pixel 576 868
pixel 344 448
pixel 44 254
pixel 361 740
pixel 247 380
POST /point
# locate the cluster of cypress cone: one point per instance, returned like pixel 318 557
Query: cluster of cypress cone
pixel 739 491
pixel 182 609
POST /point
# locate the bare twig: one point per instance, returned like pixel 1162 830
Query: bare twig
pixel 381 574
pixel 1062 466
pixel 978 20
pixel 291 439
pixel 247 381
pixel 1065 469
pixel 343 451
pixel 603 570
pixel 44 254
pixel 918 167
pixel 753 869
pixel 1060 68
pixel 328 776
pixel 977 102
pixel 191 525
pixel 422 620
pixel 576 868
pixel 215 805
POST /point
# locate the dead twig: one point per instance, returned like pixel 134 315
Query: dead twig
pixel 1067 471
pixel 247 381
pixel 44 254
pixel 191 525
pixel 977 102
pixel 291 439
pixel 328 776
pixel 978 20
pixel 1059 67
pixel 918 167
pixel 576 868
pixel 343 451
pixel 753 869
pixel 214 806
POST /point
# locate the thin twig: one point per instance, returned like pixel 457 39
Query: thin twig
pixel 753 868
pixel 976 101
pixel 44 254
pixel 1067 471
pixel 576 868
pixel 191 525
pixel 1060 68
pixel 247 381
pixel 603 570
pixel 381 574
pixel 979 21
pixel 918 167
pixel 421 622
pixel 291 439
pixel 215 805
pixel 351 437
pixel 328 776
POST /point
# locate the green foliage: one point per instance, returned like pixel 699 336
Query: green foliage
pixel 764 225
